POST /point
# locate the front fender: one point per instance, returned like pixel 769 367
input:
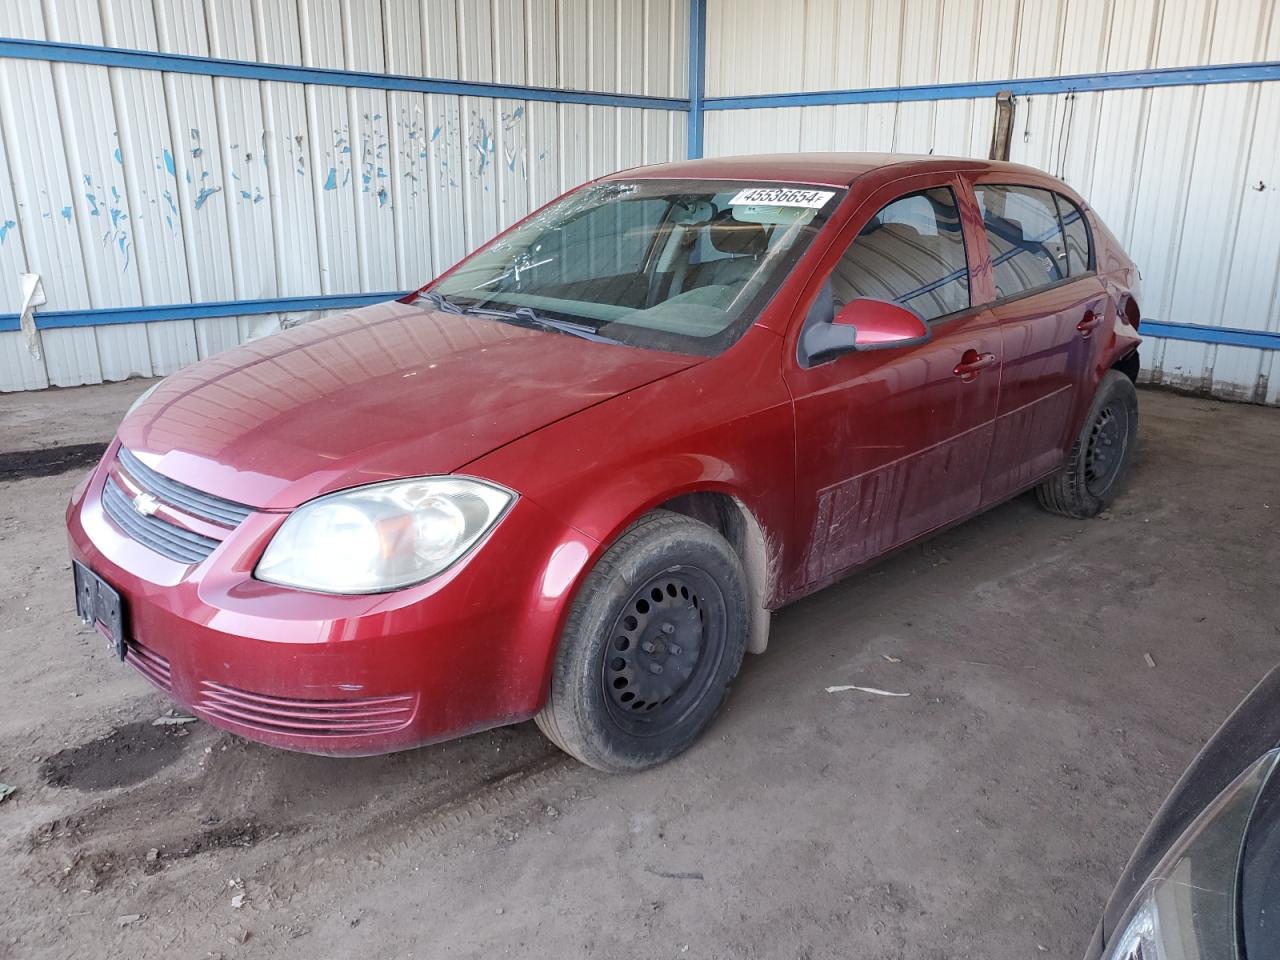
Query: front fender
pixel 603 518
pixel 725 426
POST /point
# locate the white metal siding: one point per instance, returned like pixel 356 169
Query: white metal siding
pixel 133 187
pixel 768 46
pixel 1187 177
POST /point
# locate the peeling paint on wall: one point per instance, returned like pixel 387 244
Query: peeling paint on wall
pixel 173 206
pixel 514 142
pixel 97 199
pixel 197 173
pixel 481 141
pixel 444 141
pixel 206 200
pixel 298 151
pixel 204 194
pixel 374 146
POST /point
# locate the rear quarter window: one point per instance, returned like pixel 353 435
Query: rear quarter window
pixel 1024 234
pixel 1076 230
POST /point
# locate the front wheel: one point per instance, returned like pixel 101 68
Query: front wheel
pixel 1100 458
pixel 653 640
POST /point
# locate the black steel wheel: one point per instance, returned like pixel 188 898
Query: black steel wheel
pixel 667 643
pixel 1100 458
pixel 1105 451
pixel 654 638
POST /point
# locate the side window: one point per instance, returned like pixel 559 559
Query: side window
pixel 1025 237
pixel 912 253
pixel 1079 250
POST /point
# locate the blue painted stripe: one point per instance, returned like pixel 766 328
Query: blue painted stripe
pixel 1201 333
pixel 285 73
pixel 1080 82
pixel 697 74
pixel 58 319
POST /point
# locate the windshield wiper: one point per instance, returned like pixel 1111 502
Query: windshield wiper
pixel 530 317
pixel 442 302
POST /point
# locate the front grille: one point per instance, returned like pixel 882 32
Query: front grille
pixel 226 513
pixel 149 663
pixel 162 537
pixel 310 718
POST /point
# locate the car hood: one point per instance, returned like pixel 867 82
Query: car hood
pixel 387 391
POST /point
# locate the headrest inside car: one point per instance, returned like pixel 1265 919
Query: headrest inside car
pixel 904 231
pixel 737 238
pixel 698 211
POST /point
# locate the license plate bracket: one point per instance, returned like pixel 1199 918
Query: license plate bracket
pixel 99 605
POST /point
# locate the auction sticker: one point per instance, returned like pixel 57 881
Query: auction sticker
pixel 783 197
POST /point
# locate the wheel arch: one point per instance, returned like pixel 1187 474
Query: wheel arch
pixel 1129 364
pixel 584 544
pixel 734 520
pixel 725 511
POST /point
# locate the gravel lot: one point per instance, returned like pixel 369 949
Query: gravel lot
pixel 984 816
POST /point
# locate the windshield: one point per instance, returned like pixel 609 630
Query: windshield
pixel 680 265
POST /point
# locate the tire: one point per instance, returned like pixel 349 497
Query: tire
pixel 1098 464
pixel 669 593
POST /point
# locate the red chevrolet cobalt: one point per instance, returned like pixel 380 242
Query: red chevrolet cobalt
pixel 571 478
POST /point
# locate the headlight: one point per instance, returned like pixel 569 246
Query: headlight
pixel 1139 940
pixel 142 398
pixel 1189 906
pixel 383 536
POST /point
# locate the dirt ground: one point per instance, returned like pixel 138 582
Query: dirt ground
pixel 984 816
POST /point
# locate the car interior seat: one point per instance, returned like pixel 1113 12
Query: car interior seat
pixel 745 244
pixel 1019 263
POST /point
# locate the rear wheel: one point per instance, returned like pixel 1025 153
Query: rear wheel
pixel 1099 460
pixel 654 639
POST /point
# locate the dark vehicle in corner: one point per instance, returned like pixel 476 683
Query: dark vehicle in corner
pixel 1204 883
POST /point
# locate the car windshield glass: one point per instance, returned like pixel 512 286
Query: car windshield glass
pixel 680 265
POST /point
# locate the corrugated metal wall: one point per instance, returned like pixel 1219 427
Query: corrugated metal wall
pixel 1187 176
pixel 126 187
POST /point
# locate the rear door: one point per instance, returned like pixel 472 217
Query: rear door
pixel 1048 300
pixel 891 444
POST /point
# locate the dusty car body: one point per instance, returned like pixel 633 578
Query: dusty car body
pixel 764 375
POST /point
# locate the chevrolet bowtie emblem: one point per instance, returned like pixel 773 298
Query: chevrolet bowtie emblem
pixel 146 504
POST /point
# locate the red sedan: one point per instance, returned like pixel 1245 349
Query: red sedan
pixel 571 478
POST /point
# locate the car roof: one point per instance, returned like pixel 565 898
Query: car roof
pixel 827 169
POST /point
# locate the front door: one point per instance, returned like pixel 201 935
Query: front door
pixel 1048 301
pixel 891 444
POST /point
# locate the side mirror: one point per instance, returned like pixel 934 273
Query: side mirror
pixel 880 325
pixel 865 324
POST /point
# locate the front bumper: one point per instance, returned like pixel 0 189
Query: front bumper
pixel 340 675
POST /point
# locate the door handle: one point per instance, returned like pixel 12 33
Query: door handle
pixel 1090 322
pixel 972 363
